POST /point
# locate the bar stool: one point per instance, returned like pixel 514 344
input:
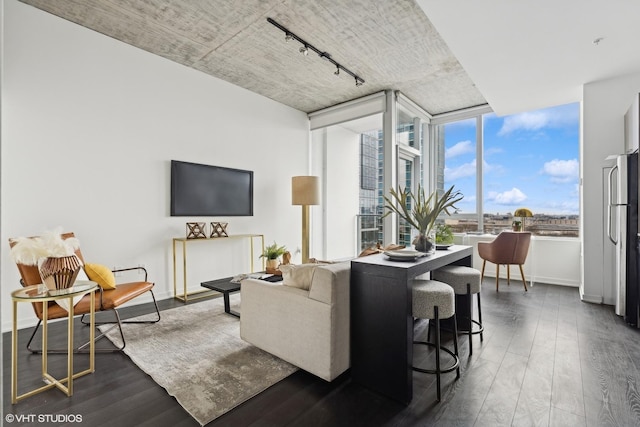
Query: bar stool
pixel 434 300
pixel 464 281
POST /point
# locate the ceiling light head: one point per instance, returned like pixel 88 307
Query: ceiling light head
pixel 359 82
pixel 597 40
pixel 288 37
pixel 337 72
pixel 304 50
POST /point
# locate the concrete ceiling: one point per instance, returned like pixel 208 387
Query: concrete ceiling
pixel 390 44
pixel 527 55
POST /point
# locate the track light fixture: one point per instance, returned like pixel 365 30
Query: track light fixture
pixel 324 55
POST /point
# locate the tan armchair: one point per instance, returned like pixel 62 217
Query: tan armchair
pixel 105 300
pixel 507 248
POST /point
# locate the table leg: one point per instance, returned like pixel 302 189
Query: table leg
pixel 14 355
pixel 227 305
pixel 70 349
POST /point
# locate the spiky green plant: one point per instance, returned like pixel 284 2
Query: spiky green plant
pixel 425 210
pixel 273 251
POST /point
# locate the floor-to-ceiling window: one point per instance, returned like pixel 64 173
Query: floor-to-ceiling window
pixel 529 160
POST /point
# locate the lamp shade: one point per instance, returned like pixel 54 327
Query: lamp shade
pixel 305 190
pixel 523 212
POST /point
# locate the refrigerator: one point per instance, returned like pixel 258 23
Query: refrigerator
pixel 621 249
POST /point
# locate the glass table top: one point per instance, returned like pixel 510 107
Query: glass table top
pixel 41 292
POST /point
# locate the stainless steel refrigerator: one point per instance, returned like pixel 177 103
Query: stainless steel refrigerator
pixel 621 230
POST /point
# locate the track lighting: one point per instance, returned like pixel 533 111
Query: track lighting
pixel 304 49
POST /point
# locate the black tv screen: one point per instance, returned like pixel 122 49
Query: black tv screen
pixel 205 190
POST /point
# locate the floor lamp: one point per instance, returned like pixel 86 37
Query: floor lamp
pixel 305 191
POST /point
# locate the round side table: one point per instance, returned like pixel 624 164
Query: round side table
pixel 40 293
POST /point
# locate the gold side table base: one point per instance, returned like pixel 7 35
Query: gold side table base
pixel 22 295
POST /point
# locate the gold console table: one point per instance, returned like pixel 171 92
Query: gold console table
pixel 184 296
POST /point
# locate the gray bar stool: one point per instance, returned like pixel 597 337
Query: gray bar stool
pixel 435 300
pixel 464 281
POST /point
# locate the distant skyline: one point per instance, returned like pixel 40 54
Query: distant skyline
pixel 530 160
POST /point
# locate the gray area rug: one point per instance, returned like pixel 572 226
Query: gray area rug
pixel 196 354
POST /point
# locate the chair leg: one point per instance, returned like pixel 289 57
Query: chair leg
pixel 437 319
pixel 497 276
pixel 81 349
pixel 508 275
pixel 469 297
pixel 455 343
pixel 480 318
pixel 524 282
pixel 484 262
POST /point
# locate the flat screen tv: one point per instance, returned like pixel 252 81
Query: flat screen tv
pixel 205 190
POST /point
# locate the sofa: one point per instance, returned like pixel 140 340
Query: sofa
pixel 304 319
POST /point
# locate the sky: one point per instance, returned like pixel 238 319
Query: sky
pixel 530 160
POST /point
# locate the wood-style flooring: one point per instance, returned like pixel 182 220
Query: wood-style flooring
pixel 547 359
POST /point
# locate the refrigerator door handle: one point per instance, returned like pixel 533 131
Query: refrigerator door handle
pixel 610 204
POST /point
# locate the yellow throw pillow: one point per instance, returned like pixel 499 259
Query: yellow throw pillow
pixel 101 274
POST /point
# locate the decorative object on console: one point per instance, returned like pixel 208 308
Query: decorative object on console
pixel 424 212
pixel 196 230
pixel 516 225
pixel 55 257
pixel 378 249
pixel 305 191
pixel 523 213
pixel 219 229
pixel 272 254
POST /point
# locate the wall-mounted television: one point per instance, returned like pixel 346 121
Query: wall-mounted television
pixel 206 190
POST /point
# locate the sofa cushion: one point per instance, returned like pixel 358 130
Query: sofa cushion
pixel 298 276
pixel 330 282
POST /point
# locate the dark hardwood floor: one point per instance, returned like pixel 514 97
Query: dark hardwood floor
pixel 547 360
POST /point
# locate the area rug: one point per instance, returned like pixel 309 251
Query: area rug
pixel 195 352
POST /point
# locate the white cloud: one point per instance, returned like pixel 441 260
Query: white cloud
pixel 509 197
pixel 555 117
pixel 462 171
pixel 561 171
pixel 462 147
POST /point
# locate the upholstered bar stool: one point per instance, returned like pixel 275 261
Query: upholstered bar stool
pixel 435 300
pixel 464 281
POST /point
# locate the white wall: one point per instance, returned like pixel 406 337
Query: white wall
pixel 604 105
pixel 89 125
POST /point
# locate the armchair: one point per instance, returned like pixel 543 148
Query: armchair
pixel 105 300
pixel 507 248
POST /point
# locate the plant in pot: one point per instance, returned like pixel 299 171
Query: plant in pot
pixel 421 212
pixel 272 254
pixel 444 234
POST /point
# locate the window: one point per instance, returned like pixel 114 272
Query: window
pixel 528 160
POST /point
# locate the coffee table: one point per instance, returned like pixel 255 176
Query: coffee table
pixel 225 287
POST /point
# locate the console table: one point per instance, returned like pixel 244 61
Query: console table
pixel 184 296
pixel 382 320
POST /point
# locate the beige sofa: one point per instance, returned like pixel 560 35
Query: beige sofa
pixel 307 328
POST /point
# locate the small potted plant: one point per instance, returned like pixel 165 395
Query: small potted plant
pixel 272 253
pixel 444 235
pixel 516 225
